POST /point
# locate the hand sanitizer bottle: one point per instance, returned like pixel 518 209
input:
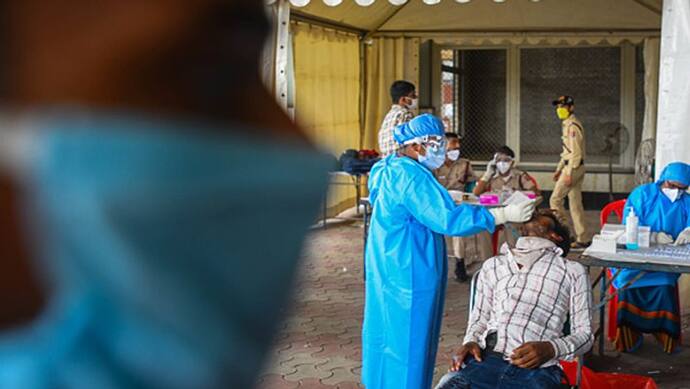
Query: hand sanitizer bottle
pixel 631 231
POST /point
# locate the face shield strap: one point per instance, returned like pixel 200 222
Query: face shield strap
pixel 428 141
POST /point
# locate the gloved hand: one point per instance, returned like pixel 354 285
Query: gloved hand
pixel 513 213
pixel 490 170
pixel 661 238
pixel 683 237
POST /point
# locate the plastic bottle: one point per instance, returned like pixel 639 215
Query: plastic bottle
pixel 631 231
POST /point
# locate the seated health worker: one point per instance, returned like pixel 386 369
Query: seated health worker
pixel 650 305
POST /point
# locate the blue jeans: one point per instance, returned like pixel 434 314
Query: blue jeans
pixel 495 373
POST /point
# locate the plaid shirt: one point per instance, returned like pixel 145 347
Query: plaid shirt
pixel 533 304
pixel 395 117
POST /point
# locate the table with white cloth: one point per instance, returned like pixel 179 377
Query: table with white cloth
pixel 657 258
pixel 356 181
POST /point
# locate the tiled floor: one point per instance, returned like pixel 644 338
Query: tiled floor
pixel 319 346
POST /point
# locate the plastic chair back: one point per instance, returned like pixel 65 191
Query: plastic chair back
pixel 613 207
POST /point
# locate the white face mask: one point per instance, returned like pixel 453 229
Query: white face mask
pixel 414 103
pixel 503 167
pixel 531 243
pixel 528 250
pixel 672 193
pixel 453 155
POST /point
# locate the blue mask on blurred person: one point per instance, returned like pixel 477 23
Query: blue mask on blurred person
pixel 169 255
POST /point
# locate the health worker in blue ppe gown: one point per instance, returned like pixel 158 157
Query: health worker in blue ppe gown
pixel 406 264
pixel 142 164
pixel 650 304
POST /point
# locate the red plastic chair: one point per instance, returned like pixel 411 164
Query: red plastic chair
pixel 616 207
pixel 613 207
pixel 593 380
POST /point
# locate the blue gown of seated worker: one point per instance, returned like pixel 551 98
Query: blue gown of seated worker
pixel 657 211
pixel 406 271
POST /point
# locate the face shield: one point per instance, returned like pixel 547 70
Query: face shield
pixel 435 147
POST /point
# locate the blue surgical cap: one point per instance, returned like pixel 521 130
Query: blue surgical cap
pixel 422 125
pixel 676 171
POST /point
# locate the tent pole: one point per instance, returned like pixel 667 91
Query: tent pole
pixel 281 56
pixel 362 89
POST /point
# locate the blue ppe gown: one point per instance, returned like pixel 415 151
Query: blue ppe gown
pixel 655 210
pixel 406 271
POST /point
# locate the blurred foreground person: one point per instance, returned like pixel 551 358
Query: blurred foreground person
pixel 137 184
pixel 406 263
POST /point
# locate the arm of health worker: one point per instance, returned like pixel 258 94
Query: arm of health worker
pixel 432 206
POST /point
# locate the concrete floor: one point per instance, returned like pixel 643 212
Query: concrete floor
pixel 319 345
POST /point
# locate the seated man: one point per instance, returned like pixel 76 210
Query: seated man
pixel 650 304
pixel 501 174
pixel 524 297
pixel 455 174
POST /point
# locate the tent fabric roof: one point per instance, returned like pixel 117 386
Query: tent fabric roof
pixel 486 15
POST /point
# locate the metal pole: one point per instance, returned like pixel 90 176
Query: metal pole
pixel 282 42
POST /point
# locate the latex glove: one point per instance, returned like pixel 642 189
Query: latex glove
pixel 662 238
pixel 514 213
pixel 490 170
pixel 683 237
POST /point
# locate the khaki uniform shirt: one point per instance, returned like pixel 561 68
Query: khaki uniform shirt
pixel 455 176
pixel 573 154
pixel 516 180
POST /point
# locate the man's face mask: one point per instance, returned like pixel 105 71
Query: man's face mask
pixel 562 113
pixel 503 167
pixel 152 234
pixel 453 155
pixel 413 103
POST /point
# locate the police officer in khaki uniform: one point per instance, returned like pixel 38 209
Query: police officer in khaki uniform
pixel 501 175
pixel 570 172
pixel 455 174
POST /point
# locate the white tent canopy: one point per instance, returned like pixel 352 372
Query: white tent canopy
pixel 394 35
pixel 485 15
